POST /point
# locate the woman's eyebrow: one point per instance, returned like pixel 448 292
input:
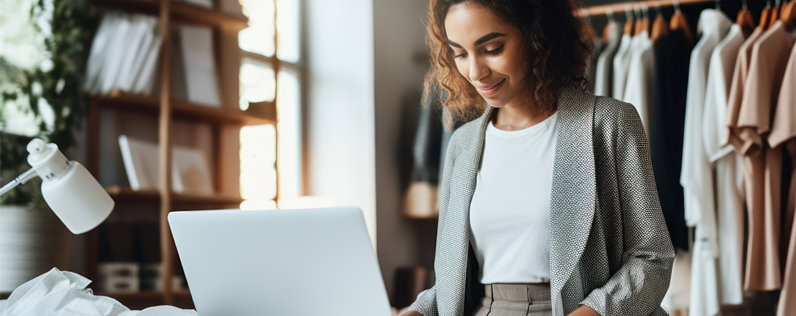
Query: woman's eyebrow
pixel 483 39
pixel 488 37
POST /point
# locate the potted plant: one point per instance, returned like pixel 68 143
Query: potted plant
pixel 44 46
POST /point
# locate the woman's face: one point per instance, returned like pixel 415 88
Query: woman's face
pixel 488 52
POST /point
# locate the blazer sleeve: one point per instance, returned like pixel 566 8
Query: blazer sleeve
pixel 638 287
pixel 426 302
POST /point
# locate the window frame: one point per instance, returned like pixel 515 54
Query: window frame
pixel 297 69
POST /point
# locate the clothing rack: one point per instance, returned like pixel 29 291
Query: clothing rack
pixel 621 7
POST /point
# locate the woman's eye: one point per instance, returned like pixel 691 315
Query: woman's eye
pixel 460 55
pixel 495 51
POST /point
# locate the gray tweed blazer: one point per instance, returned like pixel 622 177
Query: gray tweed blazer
pixel 609 246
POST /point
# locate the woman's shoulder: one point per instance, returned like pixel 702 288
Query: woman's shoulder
pixel 614 114
pixel 467 133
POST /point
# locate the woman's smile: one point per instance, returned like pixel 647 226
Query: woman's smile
pixel 487 91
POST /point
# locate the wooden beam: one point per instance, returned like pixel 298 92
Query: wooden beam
pixel 92 238
pixel 621 7
pixel 164 154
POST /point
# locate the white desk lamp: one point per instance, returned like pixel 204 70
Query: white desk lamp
pixel 68 188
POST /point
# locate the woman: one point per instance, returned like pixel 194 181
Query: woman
pixel 548 197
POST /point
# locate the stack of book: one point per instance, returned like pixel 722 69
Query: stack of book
pixel 124 55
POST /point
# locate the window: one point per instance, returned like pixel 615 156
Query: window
pixel 270 72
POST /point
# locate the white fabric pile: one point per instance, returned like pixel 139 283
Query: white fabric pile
pixel 62 293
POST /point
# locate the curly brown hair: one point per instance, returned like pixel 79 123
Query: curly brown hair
pixel 558 45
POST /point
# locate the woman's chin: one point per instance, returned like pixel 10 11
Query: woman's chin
pixel 495 103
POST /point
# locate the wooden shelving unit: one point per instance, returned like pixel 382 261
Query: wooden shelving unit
pixel 226 122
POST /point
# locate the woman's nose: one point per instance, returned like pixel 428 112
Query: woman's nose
pixel 478 69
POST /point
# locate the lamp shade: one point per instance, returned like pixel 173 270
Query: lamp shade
pixel 69 189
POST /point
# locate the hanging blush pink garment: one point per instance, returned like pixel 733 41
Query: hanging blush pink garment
pixel 770 55
pixel 740 73
pixel 783 133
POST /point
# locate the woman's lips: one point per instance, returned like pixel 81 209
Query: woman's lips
pixel 490 91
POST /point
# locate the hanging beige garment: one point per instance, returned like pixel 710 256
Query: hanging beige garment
pixel 770 55
pixel 752 198
pixel 739 75
pixel 783 133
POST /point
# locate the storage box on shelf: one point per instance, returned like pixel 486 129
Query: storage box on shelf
pixel 226 121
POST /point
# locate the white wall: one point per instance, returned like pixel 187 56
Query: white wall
pixel 399 39
pixel 339 112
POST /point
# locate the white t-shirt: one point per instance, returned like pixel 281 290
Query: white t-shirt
pixel 621 66
pixel 510 209
pixel 640 77
pixel 696 174
pixel 728 168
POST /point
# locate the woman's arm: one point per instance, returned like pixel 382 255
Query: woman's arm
pixel 638 287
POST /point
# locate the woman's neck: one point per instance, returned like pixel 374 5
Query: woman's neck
pixel 514 117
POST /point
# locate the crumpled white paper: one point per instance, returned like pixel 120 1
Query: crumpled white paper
pixel 63 293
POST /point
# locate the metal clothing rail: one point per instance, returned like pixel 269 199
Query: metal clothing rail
pixel 621 7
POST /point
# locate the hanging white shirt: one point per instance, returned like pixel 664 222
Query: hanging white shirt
pixel 621 65
pixel 640 76
pixel 604 68
pixel 728 166
pixel 697 175
pixel 510 209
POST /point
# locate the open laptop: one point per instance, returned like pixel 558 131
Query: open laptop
pixel 308 262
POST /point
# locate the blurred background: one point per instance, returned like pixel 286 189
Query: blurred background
pixel 251 104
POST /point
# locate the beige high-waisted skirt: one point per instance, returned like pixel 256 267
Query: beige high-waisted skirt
pixel 516 300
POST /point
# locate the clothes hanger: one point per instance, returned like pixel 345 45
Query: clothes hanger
pixel 774 14
pixel 679 23
pixel 659 27
pixel 765 16
pixel 607 29
pixel 629 23
pixel 639 27
pixel 788 14
pixel 645 21
pixel 745 19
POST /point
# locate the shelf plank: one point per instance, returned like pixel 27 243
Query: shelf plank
pixel 186 110
pixel 179 201
pixel 183 11
pixel 180 12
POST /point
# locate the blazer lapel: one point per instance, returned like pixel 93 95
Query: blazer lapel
pixel 457 220
pixel 574 190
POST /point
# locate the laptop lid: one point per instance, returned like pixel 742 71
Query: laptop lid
pixel 279 262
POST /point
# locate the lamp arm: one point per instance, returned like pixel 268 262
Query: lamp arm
pixel 25 177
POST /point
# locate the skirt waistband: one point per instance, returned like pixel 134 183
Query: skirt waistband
pixel 529 293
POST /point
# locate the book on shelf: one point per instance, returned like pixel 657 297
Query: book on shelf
pixel 123 54
pixel 189 172
pixel 199 63
pixel 140 42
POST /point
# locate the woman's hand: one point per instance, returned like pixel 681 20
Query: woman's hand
pixel 411 313
pixel 584 311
